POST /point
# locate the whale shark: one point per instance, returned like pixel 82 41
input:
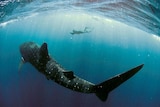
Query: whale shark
pixel 39 57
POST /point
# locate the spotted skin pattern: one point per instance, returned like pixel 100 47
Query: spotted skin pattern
pixel 38 56
pixel 30 53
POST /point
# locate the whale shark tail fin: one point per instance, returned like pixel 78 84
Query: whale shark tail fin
pixel 103 89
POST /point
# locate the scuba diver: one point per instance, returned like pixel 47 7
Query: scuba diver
pixel 86 30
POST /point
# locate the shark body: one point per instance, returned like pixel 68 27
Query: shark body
pixel 44 63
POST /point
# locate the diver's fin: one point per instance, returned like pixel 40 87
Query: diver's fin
pixel 43 52
pixel 71 33
pixel 69 75
pixel 103 89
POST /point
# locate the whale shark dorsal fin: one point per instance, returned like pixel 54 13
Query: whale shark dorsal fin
pixel 69 75
pixel 43 53
pixel 44 50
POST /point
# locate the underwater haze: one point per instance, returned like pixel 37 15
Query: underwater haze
pixel 112 37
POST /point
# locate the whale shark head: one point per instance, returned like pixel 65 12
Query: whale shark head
pixel 28 51
pixel 31 52
pixel 34 54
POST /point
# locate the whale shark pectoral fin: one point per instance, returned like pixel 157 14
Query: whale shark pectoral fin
pixel 43 52
pixel 69 75
pixel 21 64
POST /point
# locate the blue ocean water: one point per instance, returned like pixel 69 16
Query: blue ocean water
pixel 123 35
